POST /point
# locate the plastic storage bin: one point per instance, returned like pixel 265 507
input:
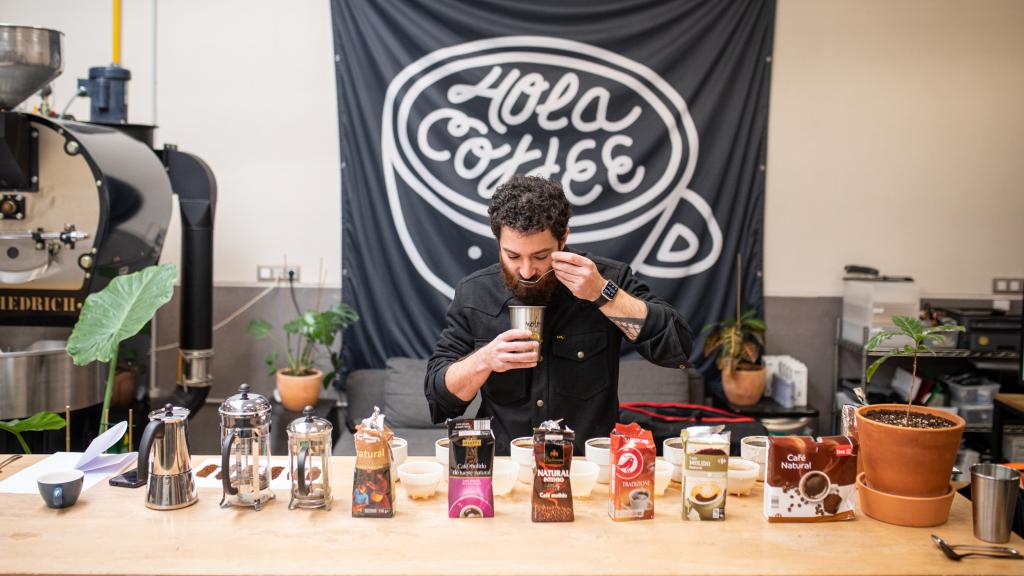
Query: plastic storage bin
pixel 976 415
pixel 972 394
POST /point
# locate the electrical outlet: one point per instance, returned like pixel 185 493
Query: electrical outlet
pixel 1007 285
pixel 272 273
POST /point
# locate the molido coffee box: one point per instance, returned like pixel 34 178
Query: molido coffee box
pixel 373 488
pixel 552 452
pixel 705 472
pixel 470 468
pixel 631 473
pixel 810 480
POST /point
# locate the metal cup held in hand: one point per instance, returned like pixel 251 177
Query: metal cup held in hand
pixel 528 318
pixel 994 492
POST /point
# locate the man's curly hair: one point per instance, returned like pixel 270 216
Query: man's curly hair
pixel 529 204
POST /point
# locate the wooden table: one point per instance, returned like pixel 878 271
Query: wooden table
pixel 1006 406
pixel 110 531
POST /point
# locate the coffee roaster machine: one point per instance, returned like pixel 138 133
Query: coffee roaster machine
pixel 81 203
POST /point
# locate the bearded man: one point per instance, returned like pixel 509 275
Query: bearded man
pixel 591 304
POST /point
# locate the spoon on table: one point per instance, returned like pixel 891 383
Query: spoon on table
pixel 9 460
pixel 987 551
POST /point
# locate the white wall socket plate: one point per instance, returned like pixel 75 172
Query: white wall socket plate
pixel 273 273
pixel 1007 285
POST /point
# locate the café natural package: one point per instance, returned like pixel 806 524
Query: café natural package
pixel 705 472
pixel 373 488
pixel 631 473
pixel 810 480
pixel 470 468
pixel 552 492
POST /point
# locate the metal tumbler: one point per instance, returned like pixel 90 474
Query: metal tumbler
pixel 994 491
pixel 528 318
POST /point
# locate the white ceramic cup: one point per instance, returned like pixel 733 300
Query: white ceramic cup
pixel 672 448
pixel 521 450
pixel 399 452
pixel 662 476
pixel 503 478
pixel 582 477
pixel 441 454
pixel 755 449
pixel 420 478
pixel 597 450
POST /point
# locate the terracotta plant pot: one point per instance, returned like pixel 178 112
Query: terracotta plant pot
pixel 743 387
pixel 914 462
pixel 297 392
pixel 904 510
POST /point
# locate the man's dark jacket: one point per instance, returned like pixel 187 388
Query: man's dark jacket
pixel 577 377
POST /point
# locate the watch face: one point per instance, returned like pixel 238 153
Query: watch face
pixel 610 290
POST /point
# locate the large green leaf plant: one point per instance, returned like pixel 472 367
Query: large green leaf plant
pixel 37 422
pixel 920 337
pixel 303 336
pixel 115 314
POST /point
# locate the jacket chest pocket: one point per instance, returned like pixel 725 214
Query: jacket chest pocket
pixel 580 365
pixel 504 388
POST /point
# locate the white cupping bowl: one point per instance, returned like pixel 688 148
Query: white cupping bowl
pixel 742 474
pixel 399 452
pixel 420 478
pixel 503 478
pixel 672 448
pixel 523 456
pixel 662 476
pixel 582 477
pixel 441 454
pixel 599 455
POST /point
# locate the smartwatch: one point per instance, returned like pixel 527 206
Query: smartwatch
pixel 607 294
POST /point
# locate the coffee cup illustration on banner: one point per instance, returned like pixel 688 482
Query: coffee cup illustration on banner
pixel 619 138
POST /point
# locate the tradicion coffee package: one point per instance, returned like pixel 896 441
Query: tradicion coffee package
pixel 373 488
pixel 705 472
pixel 470 466
pixel 631 473
pixel 810 480
pixel 552 493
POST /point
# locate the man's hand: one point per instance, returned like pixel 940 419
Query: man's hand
pixel 579 274
pixel 510 350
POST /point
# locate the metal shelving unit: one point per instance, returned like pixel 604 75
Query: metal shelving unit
pixel 841 343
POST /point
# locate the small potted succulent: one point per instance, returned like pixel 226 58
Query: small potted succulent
pixel 738 342
pixel 300 381
pixel 908 451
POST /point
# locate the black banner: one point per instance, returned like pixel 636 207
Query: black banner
pixel 652 114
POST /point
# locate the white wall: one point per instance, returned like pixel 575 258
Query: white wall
pixel 895 139
pixel 248 85
pixel 895 132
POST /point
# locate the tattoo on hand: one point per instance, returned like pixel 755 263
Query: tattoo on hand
pixel 630 326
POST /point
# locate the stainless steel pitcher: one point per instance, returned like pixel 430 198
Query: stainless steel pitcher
pixel 171 484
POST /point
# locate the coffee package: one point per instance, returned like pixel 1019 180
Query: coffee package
pixel 810 480
pixel 552 493
pixel 470 467
pixel 705 472
pixel 631 473
pixel 373 488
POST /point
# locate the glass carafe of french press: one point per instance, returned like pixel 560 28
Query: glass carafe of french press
pixel 245 449
pixel 309 461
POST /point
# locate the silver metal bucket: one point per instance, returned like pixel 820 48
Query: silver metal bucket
pixel 41 376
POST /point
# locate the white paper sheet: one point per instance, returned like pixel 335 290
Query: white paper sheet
pixel 24 482
pixel 96 465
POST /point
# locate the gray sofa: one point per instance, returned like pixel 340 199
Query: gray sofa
pixel 398 391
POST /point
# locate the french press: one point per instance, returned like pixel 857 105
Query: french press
pixel 163 455
pixel 309 461
pixel 245 449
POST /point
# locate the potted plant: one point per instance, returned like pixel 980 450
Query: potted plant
pixel 738 342
pixel 115 314
pixel 908 451
pixel 300 381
